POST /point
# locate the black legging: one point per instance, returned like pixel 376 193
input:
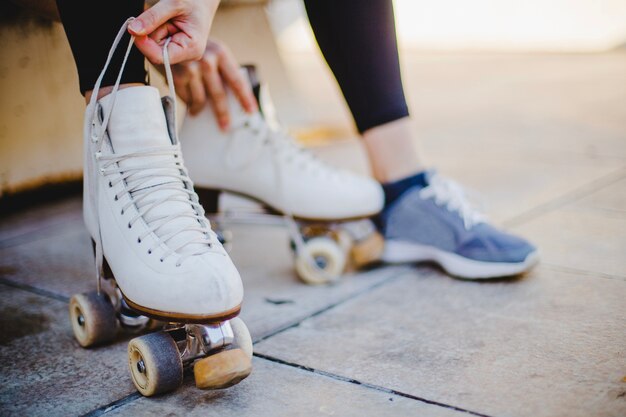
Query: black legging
pixel 90 27
pixel 357 38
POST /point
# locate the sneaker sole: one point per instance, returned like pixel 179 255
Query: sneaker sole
pixel 455 265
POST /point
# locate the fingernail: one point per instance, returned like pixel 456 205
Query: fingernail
pixel 223 122
pixel 136 26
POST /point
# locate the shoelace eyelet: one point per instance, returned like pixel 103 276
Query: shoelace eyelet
pixel 115 199
pixel 129 225
pixel 138 240
pixel 110 184
pixel 149 251
pixel 161 259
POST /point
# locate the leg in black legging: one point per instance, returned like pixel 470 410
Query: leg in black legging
pixel 91 27
pixel 358 40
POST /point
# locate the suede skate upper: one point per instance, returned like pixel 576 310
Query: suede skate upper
pixel 135 128
pixel 140 204
pixel 267 164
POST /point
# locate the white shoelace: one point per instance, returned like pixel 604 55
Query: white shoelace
pixel 448 193
pixel 282 145
pixel 139 180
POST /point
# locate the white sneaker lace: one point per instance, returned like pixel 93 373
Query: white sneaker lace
pixel 448 193
pixel 139 179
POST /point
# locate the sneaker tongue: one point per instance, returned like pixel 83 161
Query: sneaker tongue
pixel 138 123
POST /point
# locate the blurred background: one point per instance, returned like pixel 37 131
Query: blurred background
pixel 522 102
pixel 498 70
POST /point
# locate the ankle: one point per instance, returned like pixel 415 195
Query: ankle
pixel 393 151
pixel 105 91
pixel 394 190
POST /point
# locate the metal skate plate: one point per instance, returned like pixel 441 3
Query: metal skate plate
pixel 202 339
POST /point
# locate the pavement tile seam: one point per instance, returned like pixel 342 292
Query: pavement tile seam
pixel 366 384
pixel 38 234
pixel 34 290
pixel 132 397
pixel 392 277
pixel 583 272
pixel 578 193
pixel 114 405
pixel 401 272
pixel 320 367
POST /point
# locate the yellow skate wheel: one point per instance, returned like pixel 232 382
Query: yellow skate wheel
pixel 330 261
pixel 154 325
pixel 222 369
pixel 368 250
pixel 155 363
pixel 93 319
pixel 242 336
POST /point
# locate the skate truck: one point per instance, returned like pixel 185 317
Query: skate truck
pixel 323 250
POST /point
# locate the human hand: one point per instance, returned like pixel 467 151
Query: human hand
pixel 187 22
pixel 205 80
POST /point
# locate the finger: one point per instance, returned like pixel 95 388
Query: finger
pixel 196 89
pixel 180 49
pixel 181 80
pixel 215 89
pixel 184 47
pixel 150 49
pixel 154 17
pixel 152 46
pixel 162 32
pixel 239 83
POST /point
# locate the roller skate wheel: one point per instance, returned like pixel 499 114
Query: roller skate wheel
pixel 330 261
pixel 155 363
pixel 368 250
pixel 154 324
pixel 344 240
pixel 93 319
pixel 242 336
pixel 222 369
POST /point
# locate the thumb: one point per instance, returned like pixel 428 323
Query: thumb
pixel 151 19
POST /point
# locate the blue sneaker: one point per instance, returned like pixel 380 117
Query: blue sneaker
pixel 428 218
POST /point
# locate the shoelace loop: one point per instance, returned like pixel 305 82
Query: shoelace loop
pixel 448 193
pixel 173 177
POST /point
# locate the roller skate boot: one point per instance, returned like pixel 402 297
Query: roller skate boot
pixel 157 258
pixel 326 209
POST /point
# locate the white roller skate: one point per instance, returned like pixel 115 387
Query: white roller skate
pixel 332 207
pixel 156 255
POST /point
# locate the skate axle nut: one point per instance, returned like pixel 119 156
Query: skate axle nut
pixel 141 366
